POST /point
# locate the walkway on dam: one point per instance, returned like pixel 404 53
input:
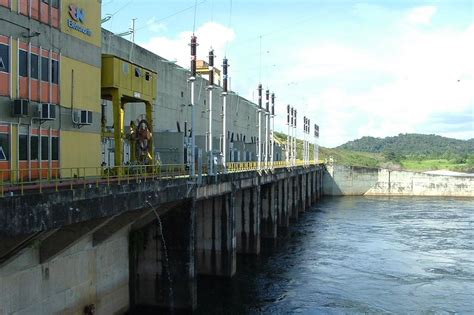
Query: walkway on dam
pixel 13 182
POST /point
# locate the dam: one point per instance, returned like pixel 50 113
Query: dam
pixel 127 180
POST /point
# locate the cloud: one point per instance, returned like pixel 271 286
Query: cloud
pixel 154 26
pixel 421 15
pixel 425 74
pixel 209 35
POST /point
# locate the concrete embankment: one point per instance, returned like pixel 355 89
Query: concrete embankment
pixel 342 180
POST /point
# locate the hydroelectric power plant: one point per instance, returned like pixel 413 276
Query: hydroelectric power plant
pixel 124 177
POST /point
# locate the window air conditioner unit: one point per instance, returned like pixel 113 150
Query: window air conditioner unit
pixel 83 117
pixel 47 111
pixel 20 108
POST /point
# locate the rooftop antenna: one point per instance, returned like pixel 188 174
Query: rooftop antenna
pixel 132 38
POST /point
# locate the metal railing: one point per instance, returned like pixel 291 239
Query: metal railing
pixel 20 181
pixel 54 179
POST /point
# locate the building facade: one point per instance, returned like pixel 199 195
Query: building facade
pixel 50 61
pixel 54 118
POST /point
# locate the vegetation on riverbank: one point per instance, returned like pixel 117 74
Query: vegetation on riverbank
pixel 415 152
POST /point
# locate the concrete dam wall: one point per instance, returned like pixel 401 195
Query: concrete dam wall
pixel 342 180
pixel 133 246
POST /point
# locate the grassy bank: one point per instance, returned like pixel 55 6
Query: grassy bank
pixel 381 160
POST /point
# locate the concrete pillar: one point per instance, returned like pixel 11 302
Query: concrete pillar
pixel 216 236
pixel 314 183
pixel 302 192
pixel 319 183
pixel 292 198
pixel 308 189
pixel 248 220
pixel 282 202
pixel 268 223
pixel 152 269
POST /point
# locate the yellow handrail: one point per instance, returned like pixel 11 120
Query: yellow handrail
pixel 55 178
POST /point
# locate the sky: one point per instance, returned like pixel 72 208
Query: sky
pixel 369 68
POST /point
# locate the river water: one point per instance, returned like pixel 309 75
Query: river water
pixel 362 255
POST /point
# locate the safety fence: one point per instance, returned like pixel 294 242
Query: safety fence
pixel 13 182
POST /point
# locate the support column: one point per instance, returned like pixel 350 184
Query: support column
pixel 292 200
pixel 149 118
pixel 283 215
pixel 216 236
pixel 315 186
pixel 153 269
pixel 307 177
pixel 320 183
pixel 268 213
pixel 248 221
pixel 118 113
pixel 301 194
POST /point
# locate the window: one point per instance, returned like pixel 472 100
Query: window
pixel 55 148
pixel 54 3
pixel 23 62
pixel 55 71
pixel 23 147
pixel 4 147
pixel 45 1
pixel 45 69
pixel 34 66
pixel 147 76
pixel 34 148
pixel 4 58
pixel 138 72
pixel 44 148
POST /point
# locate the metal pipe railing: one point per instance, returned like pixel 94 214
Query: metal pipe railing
pixel 19 181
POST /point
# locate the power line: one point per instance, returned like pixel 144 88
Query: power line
pixel 194 20
pixel 174 14
pixel 229 26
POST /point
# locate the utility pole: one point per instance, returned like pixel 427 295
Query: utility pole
pixel 259 125
pixel 267 126
pixel 210 88
pixel 294 140
pixel 316 146
pixel 307 141
pixel 224 109
pixel 305 122
pixel 272 136
pixel 288 134
pixel 192 79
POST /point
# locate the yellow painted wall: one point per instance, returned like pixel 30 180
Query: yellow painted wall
pixel 114 75
pixel 80 149
pixel 92 10
pixel 86 85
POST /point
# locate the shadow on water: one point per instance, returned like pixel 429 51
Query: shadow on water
pixel 258 281
pixel 357 255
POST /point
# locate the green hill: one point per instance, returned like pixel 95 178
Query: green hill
pixel 406 151
pixel 413 145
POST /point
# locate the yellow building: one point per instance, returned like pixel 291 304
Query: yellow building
pixel 50 69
